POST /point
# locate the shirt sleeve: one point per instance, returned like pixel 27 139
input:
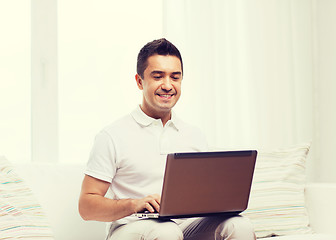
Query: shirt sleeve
pixel 102 161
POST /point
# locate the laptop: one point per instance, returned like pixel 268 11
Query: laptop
pixel 205 184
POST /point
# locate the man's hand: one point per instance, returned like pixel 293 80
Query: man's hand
pixel 93 205
pixel 150 203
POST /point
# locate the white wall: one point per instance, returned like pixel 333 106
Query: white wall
pixel 325 85
pixel 44 81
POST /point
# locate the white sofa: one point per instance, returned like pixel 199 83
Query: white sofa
pixel 57 188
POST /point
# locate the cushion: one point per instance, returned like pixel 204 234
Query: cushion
pixel 277 203
pixel 21 216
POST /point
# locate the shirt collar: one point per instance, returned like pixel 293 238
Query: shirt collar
pixel 144 120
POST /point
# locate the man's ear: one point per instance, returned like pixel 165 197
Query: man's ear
pixel 139 81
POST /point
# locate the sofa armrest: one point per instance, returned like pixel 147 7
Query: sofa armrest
pixel 320 201
pixel 57 188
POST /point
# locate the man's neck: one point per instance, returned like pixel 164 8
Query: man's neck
pixel 164 116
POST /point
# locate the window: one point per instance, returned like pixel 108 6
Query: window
pixel 89 66
pixel 15 80
pixel 98 43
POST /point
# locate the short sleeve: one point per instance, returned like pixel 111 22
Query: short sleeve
pixel 102 162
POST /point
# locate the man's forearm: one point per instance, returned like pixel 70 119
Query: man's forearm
pixel 99 208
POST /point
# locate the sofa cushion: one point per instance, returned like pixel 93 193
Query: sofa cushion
pixel 277 203
pixel 21 216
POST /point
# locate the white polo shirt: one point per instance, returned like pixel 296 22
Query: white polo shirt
pixel 131 153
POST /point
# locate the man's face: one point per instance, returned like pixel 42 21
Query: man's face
pixel 161 85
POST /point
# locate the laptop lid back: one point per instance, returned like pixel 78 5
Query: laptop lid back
pixel 207 183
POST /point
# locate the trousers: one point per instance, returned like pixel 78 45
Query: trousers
pixel 206 228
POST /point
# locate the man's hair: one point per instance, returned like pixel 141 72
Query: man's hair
pixel 157 47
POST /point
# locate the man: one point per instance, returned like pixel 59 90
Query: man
pixel 125 171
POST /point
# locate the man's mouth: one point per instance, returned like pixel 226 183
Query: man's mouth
pixel 165 95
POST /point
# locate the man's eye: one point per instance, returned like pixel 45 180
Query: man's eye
pixel 157 76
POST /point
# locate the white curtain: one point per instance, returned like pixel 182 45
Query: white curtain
pixel 248 79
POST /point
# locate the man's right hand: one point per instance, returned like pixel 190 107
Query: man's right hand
pixel 150 203
pixel 93 205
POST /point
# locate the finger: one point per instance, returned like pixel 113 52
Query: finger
pixel 155 205
pixel 157 198
pixel 149 207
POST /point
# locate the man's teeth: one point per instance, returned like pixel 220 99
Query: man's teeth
pixel 165 95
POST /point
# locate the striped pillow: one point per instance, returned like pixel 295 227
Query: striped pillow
pixel 277 205
pixel 20 214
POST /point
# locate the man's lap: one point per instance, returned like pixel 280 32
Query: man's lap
pixel 146 229
pixel 191 229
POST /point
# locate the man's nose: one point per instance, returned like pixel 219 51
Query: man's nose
pixel 166 84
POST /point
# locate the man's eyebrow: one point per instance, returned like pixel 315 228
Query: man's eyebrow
pixel 157 72
pixel 162 72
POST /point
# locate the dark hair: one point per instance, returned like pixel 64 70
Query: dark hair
pixel 161 47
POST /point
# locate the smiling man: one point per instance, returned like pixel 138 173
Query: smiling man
pixel 125 170
pixel 161 86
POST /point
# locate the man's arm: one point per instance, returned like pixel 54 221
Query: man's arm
pixel 94 206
